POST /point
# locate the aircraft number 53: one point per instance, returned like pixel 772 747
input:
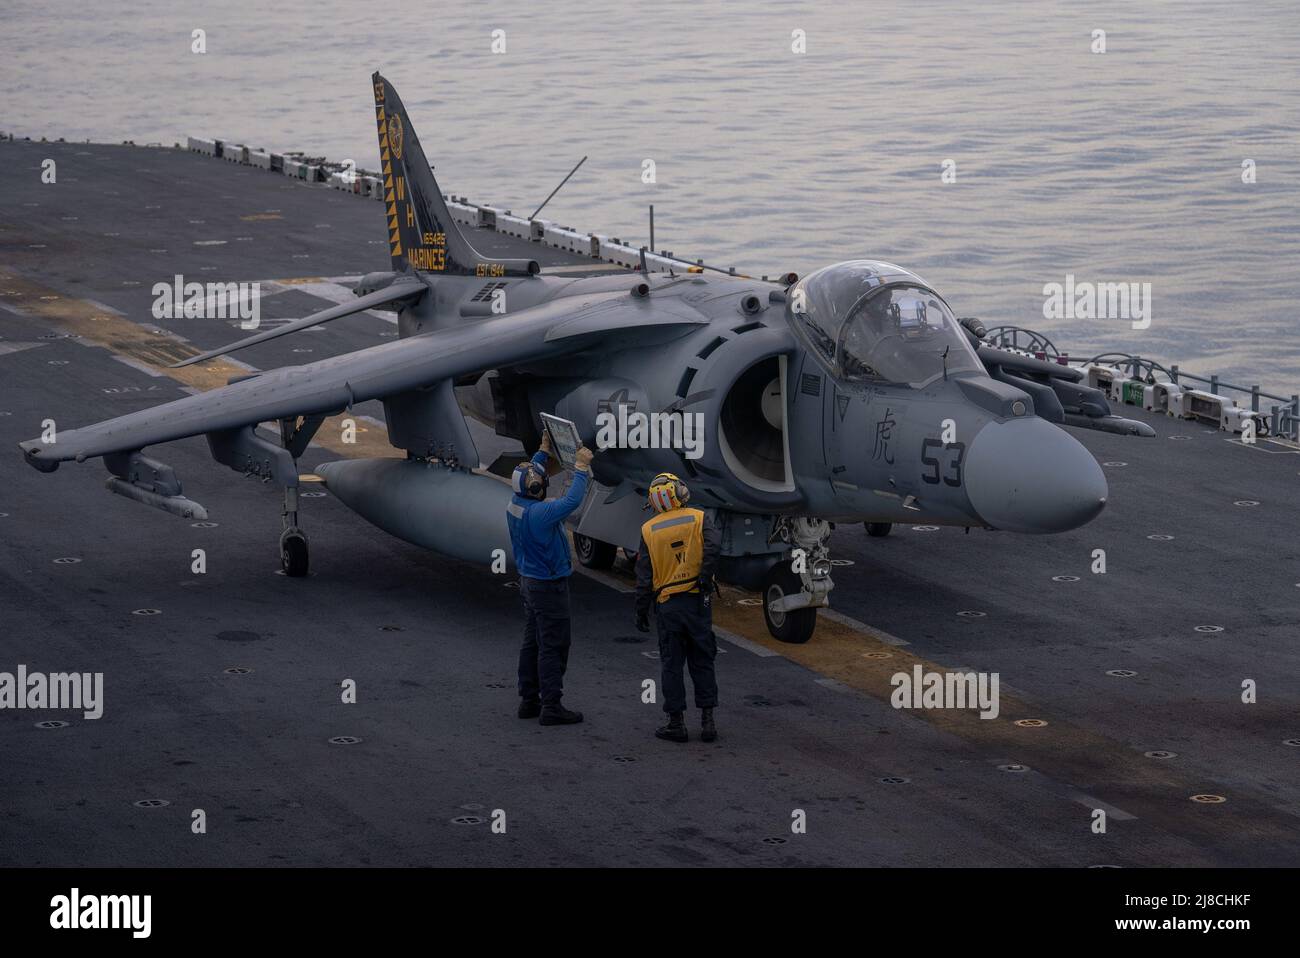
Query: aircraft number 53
pixel 951 471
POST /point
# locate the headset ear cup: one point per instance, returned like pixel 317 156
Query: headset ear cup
pixel 668 492
pixel 535 483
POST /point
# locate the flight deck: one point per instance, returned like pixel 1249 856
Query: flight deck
pixel 1121 690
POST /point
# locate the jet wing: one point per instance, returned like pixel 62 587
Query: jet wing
pixel 335 384
pixel 402 289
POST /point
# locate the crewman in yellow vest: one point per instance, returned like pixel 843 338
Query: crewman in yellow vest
pixel 674 574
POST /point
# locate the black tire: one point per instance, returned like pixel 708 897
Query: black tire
pixel 878 529
pixel 293 554
pixel 794 627
pixel 593 553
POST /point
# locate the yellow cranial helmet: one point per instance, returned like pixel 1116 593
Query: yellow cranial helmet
pixel 667 492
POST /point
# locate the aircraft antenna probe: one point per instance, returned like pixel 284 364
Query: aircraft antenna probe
pixel 557 189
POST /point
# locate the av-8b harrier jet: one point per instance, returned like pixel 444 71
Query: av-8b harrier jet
pixel 851 395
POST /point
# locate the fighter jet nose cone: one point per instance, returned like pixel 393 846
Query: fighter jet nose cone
pixel 1027 475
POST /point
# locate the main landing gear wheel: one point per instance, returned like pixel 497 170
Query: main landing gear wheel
pixel 293 553
pixel 795 626
pixel 593 553
pixel 878 529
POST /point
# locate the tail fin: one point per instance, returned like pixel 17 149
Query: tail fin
pixel 421 233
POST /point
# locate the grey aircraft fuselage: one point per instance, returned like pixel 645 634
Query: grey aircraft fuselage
pixel 833 449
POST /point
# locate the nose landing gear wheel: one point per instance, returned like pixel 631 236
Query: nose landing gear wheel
pixel 796 625
pixel 293 553
pixel 878 529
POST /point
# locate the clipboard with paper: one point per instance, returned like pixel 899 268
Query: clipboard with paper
pixel 564 438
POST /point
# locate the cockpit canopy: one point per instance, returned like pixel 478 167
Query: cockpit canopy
pixel 877 323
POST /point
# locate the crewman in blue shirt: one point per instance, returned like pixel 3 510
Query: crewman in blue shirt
pixel 541 550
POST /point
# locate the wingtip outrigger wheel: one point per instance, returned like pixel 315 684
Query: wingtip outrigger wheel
pixel 293 541
pixel 293 552
pixel 295 434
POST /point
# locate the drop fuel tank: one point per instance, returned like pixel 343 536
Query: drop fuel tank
pixel 451 511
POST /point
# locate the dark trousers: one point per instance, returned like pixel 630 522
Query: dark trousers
pixel 686 639
pixel 545 652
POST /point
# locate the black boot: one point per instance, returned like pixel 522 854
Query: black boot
pixel 675 730
pixel 559 715
pixel 530 708
pixel 708 731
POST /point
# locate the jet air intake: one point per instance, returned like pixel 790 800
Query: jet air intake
pixel 739 386
pixel 751 426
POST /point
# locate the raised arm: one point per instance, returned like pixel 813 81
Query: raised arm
pixel 557 510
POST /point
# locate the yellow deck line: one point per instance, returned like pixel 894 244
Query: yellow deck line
pixel 1070 754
